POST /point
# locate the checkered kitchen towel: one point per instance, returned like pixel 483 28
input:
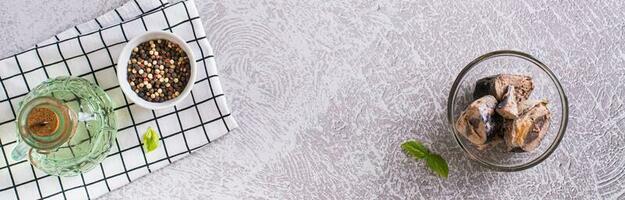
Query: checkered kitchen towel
pixel 90 50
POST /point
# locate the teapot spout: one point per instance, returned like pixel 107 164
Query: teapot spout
pixel 20 151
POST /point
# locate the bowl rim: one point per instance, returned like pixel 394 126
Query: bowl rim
pixel 563 100
pixel 122 72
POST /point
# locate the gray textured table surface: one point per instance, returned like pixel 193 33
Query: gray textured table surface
pixel 325 91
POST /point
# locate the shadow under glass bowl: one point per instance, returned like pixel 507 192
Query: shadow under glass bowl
pixel 546 86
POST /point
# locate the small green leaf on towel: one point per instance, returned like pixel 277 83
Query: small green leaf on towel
pixel 150 140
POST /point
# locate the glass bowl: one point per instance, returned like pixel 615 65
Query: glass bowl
pixel 546 86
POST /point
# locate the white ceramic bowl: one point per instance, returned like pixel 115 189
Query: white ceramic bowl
pixel 122 70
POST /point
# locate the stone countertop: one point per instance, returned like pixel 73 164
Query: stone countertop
pixel 325 91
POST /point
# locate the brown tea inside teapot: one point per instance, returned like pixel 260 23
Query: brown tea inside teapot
pixel 42 121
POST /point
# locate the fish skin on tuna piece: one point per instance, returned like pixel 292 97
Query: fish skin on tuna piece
pixel 497 86
pixel 479 122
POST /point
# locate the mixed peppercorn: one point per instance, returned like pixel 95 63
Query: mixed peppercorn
pixel 158 70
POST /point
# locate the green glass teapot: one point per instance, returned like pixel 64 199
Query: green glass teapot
pixel 65 126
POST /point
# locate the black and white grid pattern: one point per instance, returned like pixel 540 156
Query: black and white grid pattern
pixel 90 51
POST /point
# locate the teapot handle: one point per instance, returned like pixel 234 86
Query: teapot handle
pixel 19 151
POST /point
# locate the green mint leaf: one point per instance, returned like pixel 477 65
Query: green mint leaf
pixel 437 164
pixel 415 149
pixel 150 140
